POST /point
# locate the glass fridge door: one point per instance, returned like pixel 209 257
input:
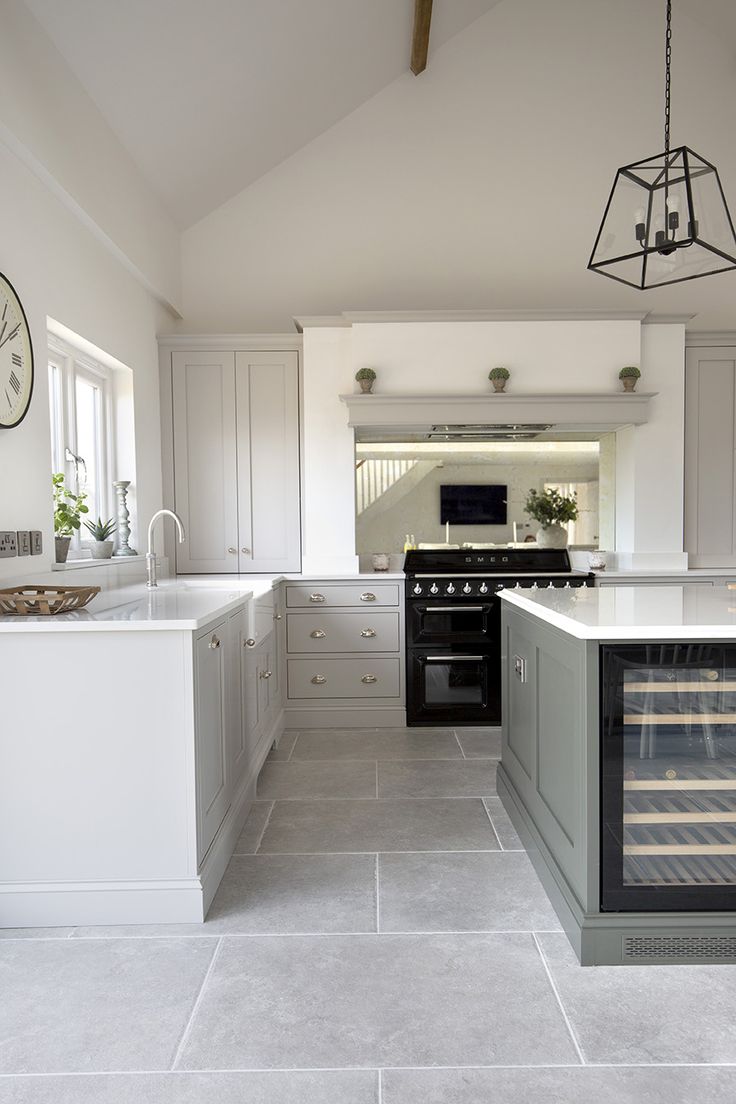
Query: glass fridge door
pixel 668 793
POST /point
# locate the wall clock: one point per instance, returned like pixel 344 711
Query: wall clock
pixel 16 358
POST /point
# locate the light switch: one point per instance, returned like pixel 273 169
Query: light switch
pixel 24 542
pixel 36 542
pixel 520 668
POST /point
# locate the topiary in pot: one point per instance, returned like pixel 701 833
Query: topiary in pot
pixel 498 377
pixel 628 376
pixel 365 377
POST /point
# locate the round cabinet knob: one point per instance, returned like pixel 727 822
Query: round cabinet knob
pixel 450 588
pixel 277 617
pixel 434 589
pixel 245 551
pixel 233 551
pixel 265 674
pixel 318 634
pixel 369 679
pixel 317 598
pixel 467 588
pixel 483 589
pixel 368 596
pixel 369 634
pixel 249 643
pixel 319 680
pixel 418 589
pixel 214 642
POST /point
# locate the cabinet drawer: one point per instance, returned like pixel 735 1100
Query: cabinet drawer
pixel 362 594
pixel 371 631
pixel 344 678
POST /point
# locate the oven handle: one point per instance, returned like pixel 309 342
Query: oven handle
pixel 455 609
pixel 454 659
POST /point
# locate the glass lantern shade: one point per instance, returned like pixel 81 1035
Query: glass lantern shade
pixel 666 221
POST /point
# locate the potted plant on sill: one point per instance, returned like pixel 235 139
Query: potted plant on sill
pixel 365 377
pixel 628 376
pixel 498 377
pixel 101 532
pixel 68 510
pixel 551 509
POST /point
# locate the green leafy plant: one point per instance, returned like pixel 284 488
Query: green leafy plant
pixel 499 373
pixel 68 507
pixel 365 373
pixel 550 507
pixel 101 530
pixel 629 372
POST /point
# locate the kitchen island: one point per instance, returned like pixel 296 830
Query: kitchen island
pixel 131 739
pixel 619 765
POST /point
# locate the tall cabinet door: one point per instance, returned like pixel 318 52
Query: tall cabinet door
pixel 211 734
pixel 710 457
pixel 205 461
pixel 267 386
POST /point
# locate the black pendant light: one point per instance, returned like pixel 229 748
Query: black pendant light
pixel 666 219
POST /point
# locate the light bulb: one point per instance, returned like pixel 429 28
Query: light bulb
pixel 673 203
pixel 639 216
pixel 659 222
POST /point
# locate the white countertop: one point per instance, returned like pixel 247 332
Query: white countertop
pixel 634 613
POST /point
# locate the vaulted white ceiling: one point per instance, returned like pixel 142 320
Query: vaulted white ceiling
pixel 207 97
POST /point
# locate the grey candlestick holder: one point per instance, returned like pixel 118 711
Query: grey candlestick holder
pixel 123 531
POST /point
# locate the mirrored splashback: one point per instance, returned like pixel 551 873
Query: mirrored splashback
pixel 478 488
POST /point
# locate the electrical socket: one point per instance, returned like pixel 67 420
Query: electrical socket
pixel 8 544
pixel 36 542
pixel 24 542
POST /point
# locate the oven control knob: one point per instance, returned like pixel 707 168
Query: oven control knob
pixel 518 586
pixel 417 588
pixel 483 588
pixel 450 588
pixel 434 589
pixel 550 584
pixel 534 586
pixel 467 588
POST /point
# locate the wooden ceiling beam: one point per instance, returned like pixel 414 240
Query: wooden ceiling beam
pixel 420 38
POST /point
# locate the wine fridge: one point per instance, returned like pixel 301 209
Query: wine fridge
pixel 668 777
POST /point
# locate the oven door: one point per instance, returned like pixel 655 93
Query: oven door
pixel 454 684
pixel 460 622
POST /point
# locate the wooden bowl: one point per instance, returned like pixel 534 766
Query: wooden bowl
pixel 23 601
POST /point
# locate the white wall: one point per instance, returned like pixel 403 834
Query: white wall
pixel 454 357
pixel 480 184
pixel 60 270
pixel 47 118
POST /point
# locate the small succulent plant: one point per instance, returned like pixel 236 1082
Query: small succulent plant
pixel 499 374
pixel 629 372
pixel 101 530
pixel 365 374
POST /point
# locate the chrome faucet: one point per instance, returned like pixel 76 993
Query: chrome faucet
pixel 150 554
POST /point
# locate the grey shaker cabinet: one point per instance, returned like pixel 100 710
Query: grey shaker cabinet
pixel 710 456
pixel 236 460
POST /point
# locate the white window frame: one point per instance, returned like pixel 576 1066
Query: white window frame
pixel 72 364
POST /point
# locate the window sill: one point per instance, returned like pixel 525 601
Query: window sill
pixel 115 561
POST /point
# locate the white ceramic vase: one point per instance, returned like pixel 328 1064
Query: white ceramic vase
pixel 552 536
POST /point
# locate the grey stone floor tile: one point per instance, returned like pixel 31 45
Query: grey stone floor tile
pixel 435 778
pixel 277 1087
pixel 78 1005
pixel 315 779
pixel 326 826
pixel 296 893
pixel 250 837
pixel 467 892
pixel 507 835
pixel 35 933
pixel 382 1000
pixel 480 743
pixel 631 1014
pixel 377 743
pixel 581 1085
pixel 285 748
pixel 276 895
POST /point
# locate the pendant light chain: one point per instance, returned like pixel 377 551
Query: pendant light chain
pixel 667 80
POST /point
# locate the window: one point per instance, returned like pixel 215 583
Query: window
pixel 80 404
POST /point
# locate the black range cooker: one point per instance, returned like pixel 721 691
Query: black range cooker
pixel 453 626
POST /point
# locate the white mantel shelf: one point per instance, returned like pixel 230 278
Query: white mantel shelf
pixel 604 412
